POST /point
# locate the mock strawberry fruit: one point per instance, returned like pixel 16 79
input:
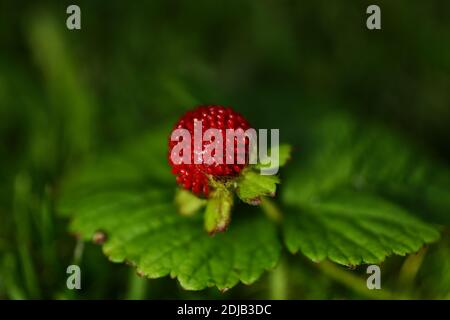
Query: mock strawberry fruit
pixel 196 174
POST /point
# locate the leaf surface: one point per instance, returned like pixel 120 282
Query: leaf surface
pixel 352 229
pixel 129 197
pixel 356 195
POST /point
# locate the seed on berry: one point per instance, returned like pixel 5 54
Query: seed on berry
pixel 195 177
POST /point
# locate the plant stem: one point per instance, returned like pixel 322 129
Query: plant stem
pixel 13 289
pixel 78 251
pixel 47 231
pixel 137 286
pixel 22 186
pixel 410 268
pixel 354 282
pixel 278 282
pixel 271 210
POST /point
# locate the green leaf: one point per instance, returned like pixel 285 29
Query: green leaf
pixel 129 196
pixel 159 242
pixel 353 195
pixel 352 228
pixel 252 186
pixel 342 154
pixel 149 234
pixel 284 152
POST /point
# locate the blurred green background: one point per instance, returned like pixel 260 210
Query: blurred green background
pixel 67 95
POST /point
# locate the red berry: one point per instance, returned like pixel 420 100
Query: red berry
pixel 195 176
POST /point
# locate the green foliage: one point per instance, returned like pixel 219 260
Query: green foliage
pixel 132 200
pixel 252 186
pixel 66 97
pixel 352 229
pixel 345 198
pixel 433 272
pixel 369 158
pixel 148 234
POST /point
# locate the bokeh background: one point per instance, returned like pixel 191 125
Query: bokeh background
pixel 68 95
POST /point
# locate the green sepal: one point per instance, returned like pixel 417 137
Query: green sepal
pixel 218 210
pixel 251 186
